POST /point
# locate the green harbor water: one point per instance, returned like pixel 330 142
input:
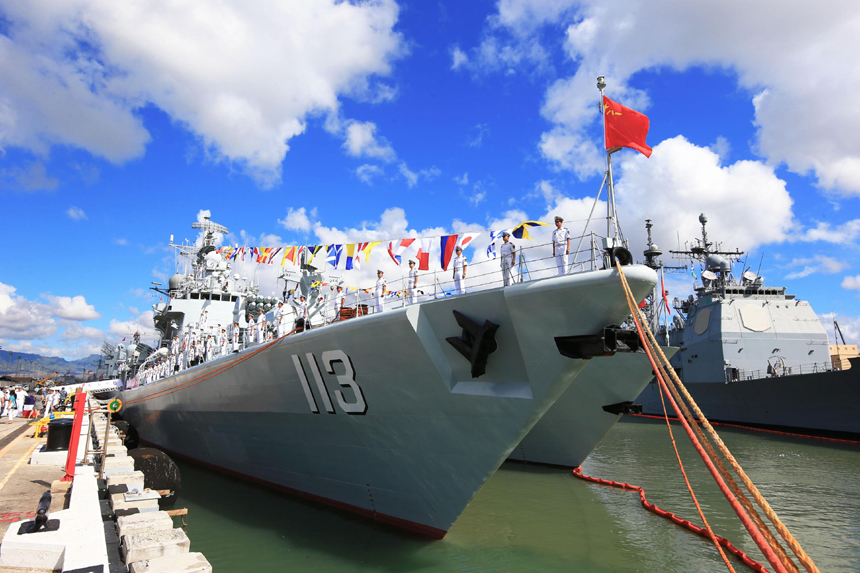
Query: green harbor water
pixel 535 518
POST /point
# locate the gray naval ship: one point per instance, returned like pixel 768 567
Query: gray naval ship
pixel 754 355
pixel 399 415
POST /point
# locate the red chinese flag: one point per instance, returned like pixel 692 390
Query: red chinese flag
pixel 625 127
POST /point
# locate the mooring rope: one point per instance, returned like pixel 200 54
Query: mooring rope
pixel 793 544
pixel 756 534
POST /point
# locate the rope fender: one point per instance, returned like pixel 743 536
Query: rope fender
pixel 700 531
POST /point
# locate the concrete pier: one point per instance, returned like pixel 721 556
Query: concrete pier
pixel 110 525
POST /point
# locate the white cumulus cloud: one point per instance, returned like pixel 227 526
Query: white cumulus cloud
pixel 243 77
pixel 798 70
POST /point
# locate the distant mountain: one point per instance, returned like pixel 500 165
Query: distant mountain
pixel 51 363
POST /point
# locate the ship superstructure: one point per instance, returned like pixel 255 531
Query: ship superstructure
pixel 751 353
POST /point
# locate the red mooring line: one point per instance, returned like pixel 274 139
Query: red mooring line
pixel 700 531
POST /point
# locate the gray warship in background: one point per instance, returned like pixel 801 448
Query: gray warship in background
pixel 754 355
pixel 401 415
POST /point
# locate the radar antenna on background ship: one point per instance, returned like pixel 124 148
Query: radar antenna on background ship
pixel 656 302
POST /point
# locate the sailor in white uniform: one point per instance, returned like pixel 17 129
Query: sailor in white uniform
pixel 223 345
pixel 302 310
pixel 338 302
pixel 560 246
pixel 261 328
pixel 280 320
pixel 251 330
pixel 235 337
pixel 201 324
pixel 412 283
pixel 509 258
pixel 460 265
pixel 379 292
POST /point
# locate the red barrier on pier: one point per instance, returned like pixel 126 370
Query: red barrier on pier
pixel 71 460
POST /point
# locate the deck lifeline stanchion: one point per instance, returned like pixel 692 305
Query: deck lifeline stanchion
pixel 71 459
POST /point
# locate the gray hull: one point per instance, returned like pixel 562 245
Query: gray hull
pixel 577 422
pixel 823 403
pixel 429 434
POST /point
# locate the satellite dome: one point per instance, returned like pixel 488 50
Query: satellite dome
pixel 717 263
pixel 174 282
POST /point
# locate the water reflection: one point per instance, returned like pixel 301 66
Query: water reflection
pixel 533 518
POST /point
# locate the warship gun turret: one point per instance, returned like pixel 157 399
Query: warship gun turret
pixel 753 354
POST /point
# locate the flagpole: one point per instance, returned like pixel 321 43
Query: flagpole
pixel 611 220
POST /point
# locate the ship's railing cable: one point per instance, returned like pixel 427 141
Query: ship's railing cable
pixel 206 375
pixel 652 347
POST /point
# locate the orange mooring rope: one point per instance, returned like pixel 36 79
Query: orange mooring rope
pixel 747 522
pixel 678 386
pixel 747 560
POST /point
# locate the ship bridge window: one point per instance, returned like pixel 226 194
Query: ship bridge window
pixel 755 318
pixel 195 295
pixel 703 318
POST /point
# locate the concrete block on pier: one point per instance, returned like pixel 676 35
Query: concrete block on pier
pixel 118 501
pixel 117 463
pixel 131 479
pixel 185 563
pixel 42 457
pixel 154 544
pixel 149 521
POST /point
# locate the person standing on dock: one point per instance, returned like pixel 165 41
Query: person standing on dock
pixel 509 258
pixel 20 395
pixel 380 291
pixel 560 246
pixel 261 328
pixel 460 265
pixel 412 283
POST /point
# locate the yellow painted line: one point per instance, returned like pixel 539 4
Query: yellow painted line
pixel 5 450
pixel 20 462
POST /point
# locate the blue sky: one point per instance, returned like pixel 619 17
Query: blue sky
pixel 342 121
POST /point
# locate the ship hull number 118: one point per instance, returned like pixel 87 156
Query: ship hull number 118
pixel 356 404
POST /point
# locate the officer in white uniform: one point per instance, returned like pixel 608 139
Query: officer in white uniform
pixel 560 246
pixel 261 328
pixel 279 319
pixel 223 342
pixel 302 307
pixel 251 330
pixel 379 292
pixel 235 337
pixel 460 265
pixel 509 258
pixel 412 284
pixel 338 302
